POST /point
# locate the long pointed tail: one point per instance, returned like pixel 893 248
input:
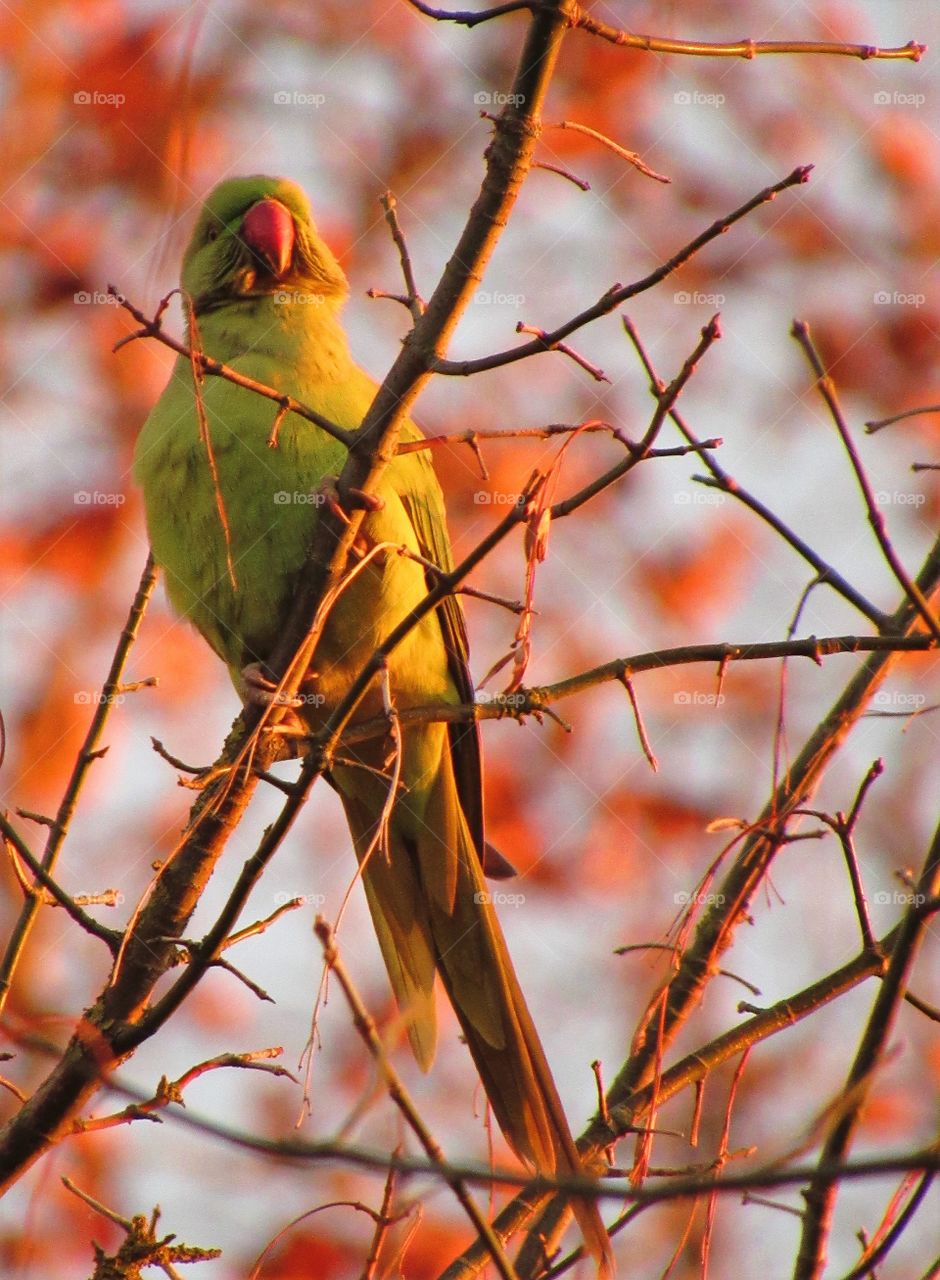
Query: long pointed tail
pixel 433 913
pixel 478 975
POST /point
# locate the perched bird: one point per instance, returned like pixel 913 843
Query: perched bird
pixel 230 519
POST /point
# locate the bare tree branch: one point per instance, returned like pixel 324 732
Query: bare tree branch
pixel 58 828
pixel 618 294
pixel 657 44
pixel 821 1194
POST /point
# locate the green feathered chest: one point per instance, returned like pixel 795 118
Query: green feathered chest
pixel 230 516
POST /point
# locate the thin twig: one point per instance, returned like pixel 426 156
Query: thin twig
pixel 259 926
pixel 691 1069
pixel 827 390
pixel 747 49
pixel 537 699
pixel 638 721
pixel 549 345
pixel 721 1159
pixel 844 827
pixel 413 300
pixel 88 753
pixel 632 157
pixel 878 1249
pixel 153 328
pixel 618 294
pixel 581 183
pixel 878 424
pixel 382 1224
pixel 170 1091
pixel 720 479
pixel 468 19
pixel 37 898
pixel 106 898
pixel 473 436
pixel 820 1195
pixel 141 1248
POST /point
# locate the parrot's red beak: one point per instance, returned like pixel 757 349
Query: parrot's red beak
pixel 268 231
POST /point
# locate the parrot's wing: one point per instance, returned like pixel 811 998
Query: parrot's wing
pixel 425 509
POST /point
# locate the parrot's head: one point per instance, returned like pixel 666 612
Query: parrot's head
pixel 255 236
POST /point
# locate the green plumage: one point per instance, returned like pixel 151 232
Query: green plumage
pixel 265 294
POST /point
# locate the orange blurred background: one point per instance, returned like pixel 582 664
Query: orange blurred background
pixel 120 117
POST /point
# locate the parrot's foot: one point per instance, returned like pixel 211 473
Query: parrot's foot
pixel 358 499
pixel 351 500
pixel 257 690
pixel 290 734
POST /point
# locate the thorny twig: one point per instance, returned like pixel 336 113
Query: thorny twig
pixel 58 828
pixel 875 518
pixel 617 293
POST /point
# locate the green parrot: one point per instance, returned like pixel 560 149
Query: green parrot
pixel 264 293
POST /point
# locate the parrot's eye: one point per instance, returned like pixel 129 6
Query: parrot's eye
pixel 213 232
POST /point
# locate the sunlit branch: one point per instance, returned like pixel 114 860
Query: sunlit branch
pixel 875 518
pixel 152 327
pixel 632 157
pixel 618 294
pixel 748 49
pixel 878 424
pixel 720 479
pixel 821 1193
pixel 912 51
pixel 58 828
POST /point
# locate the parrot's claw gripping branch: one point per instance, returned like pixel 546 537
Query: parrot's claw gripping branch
pixel 259 690
pixel 360 500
